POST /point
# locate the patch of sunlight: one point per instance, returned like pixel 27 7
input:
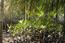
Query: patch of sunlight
pixel 21 21
pixel 42 26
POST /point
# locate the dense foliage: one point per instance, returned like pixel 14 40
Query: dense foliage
pixel 36 14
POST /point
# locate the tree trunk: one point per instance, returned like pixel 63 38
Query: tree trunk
pixel 0 32
pixel 1 18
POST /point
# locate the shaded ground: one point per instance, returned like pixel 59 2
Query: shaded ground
pixel 35 38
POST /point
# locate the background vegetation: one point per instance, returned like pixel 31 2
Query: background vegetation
pixel 35 17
